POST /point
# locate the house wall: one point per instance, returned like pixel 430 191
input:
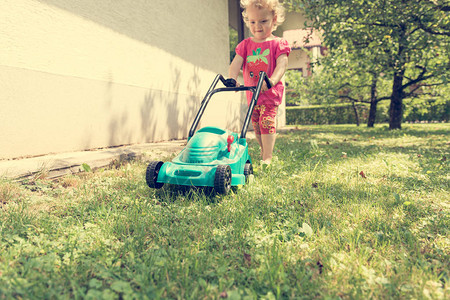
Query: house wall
pixel 302 58
pixel 299 59
pixel 293 20
pixel 84 74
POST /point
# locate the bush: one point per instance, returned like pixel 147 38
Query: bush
pixel 431 110
pixel 427 110
pixel 326 114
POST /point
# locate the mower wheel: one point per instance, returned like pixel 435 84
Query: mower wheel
pixel 248 170
pixel 151 176
pixel 222 179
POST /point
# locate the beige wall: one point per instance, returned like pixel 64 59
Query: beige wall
pixel 84 74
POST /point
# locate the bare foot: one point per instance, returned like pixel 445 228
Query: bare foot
pixel 266 162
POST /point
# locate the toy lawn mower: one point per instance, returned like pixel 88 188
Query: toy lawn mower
pixel 213 157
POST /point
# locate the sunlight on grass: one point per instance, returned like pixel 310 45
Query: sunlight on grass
pixel 342 212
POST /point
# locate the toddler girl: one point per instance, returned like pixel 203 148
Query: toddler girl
pixel 263 52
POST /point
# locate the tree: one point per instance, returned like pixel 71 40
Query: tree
pixel 339 78
pixel 357 81
pixel 407 40
pixel 435 20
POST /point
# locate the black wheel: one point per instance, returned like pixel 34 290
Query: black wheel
pixel 152 174
pixel 222 179
pixel 248 170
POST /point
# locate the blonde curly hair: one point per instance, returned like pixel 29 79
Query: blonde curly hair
pixel 272 5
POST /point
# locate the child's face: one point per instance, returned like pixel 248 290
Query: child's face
pixel 260 22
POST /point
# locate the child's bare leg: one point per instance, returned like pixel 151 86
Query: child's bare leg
pixel 267 144
pixel 257 131
pixel 258 138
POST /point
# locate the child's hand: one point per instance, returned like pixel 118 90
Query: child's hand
pixel 264 87
pixel 237 85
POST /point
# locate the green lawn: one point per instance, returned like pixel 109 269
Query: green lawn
pixel 344 212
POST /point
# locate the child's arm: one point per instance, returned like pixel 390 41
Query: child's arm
pixel 280 69
pixel 235 67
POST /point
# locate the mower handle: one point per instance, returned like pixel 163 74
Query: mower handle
pixel 231 82
pixel 231 86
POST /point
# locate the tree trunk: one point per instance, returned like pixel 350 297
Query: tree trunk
pixel 372 113
pixel 396 106
pixel 355 110
pixel 373 101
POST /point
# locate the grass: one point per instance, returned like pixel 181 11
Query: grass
pixel 344 212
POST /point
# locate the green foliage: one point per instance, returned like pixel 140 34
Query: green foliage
pixel 296 89
pixel 86 167
pixel 336 79
pixel 365 208
pixel 233 42
pixel 320 88
pixel 433 104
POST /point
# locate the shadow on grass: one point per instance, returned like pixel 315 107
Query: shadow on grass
pixel 170 193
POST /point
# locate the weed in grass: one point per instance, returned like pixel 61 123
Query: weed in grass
pixel 9 192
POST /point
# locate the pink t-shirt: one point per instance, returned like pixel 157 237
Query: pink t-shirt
pixel 262 57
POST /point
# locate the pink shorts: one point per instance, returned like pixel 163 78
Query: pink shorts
pixel 263 119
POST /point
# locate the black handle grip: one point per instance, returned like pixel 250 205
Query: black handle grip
pixel 230 82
